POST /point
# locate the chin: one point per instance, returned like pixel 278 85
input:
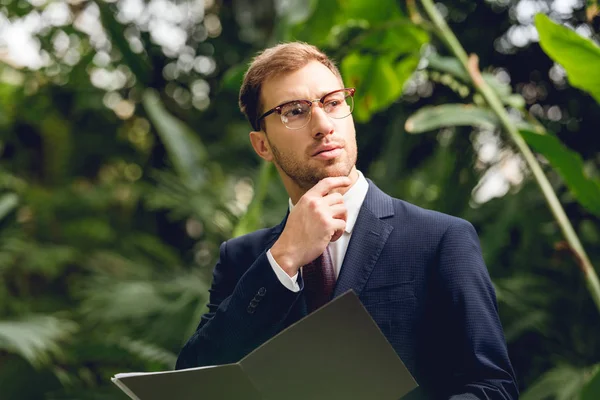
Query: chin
pixel 335 170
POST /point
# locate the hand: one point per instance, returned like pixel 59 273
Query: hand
pixel 318 218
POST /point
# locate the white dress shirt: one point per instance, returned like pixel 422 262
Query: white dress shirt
pixel 353 199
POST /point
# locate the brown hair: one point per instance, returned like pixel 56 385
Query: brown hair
pixel 280 59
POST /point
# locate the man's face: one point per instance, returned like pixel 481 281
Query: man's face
pixel 325 146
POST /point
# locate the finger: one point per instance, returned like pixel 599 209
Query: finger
pixel 326 185
pixel 339 211
pixel 338 225
pixel 334 198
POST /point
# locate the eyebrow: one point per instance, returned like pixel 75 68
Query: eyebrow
pixel 322 93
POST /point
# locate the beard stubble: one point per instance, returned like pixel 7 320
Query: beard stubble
pixel 306 176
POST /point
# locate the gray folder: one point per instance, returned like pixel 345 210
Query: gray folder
pixel 337 352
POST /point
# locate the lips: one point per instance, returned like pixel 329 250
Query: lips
pixel 328 152
pixel 326 148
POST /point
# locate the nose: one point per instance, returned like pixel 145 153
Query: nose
pixel 321 124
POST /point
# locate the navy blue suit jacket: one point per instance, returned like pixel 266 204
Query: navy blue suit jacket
pixel 419 273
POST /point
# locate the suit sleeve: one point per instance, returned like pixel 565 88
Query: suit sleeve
pixel 242 314
pixel 480 368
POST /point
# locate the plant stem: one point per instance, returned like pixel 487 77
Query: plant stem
pixel 490 96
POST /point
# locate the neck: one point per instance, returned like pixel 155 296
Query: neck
pixel 296 192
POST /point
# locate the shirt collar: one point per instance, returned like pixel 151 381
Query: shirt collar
pixel 353 198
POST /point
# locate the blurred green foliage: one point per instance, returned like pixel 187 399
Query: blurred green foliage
pixel 125 163
pixel 573 52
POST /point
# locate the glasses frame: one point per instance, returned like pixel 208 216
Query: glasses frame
pixel 278 109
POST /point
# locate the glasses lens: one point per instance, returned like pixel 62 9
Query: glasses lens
pixel 339 104
pixel 295 115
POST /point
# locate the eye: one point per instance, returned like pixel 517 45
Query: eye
pixel 293 111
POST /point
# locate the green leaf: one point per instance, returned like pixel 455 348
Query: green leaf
pixel 233 77
pixel 502 89
pixel 448 65
pixel 137 63
pixel 315 26
pixel 122 301
pixel 580 57
pixel 504 92
pixel 378 80
pixel 250 221
pixel 8 202
pixel 375 80
pixel 567 163
pixel 436 117
pixel 355 9
pixel 453 67
pixel 526 323
pixel 569 166
pixel 9 94
pixel 379 48
pixel 35 338
pixel 380 63
pixel 394 38
pixel 49 260
pixel 57 135
pixel 148 351
pixel 185 149
pixel 591 390
pixel 346 33
pixel 561 383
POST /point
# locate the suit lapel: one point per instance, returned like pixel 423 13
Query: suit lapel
pixel 369 236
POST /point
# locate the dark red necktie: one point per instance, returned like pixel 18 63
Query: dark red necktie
pixel 319 281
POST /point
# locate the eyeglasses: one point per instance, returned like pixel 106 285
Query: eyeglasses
pixel 296 114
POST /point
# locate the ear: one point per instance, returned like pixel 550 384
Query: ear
pixel 261 145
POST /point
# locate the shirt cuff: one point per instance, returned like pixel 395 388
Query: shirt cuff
pixel 289 282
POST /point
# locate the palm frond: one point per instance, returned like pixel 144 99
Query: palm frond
pixel 148 351
pixel 526 296
pixel 36 338
pixel 48 260
pixel 108 266
pixel 591 390
pixel 122 301
pixel 563 382
pixel 17 250
pixel 8 202
pixel 12 244
pixel 152 308
pixel 11 182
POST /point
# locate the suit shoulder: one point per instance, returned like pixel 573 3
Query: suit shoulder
pixel 430 219
pixel 409 216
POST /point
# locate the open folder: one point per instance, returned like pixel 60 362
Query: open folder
pixel 337 352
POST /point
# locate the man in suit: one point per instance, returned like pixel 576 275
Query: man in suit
pixel 419 273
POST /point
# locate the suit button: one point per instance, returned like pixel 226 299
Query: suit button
pixel 262 291
pixel 251 309
pixel 254 302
